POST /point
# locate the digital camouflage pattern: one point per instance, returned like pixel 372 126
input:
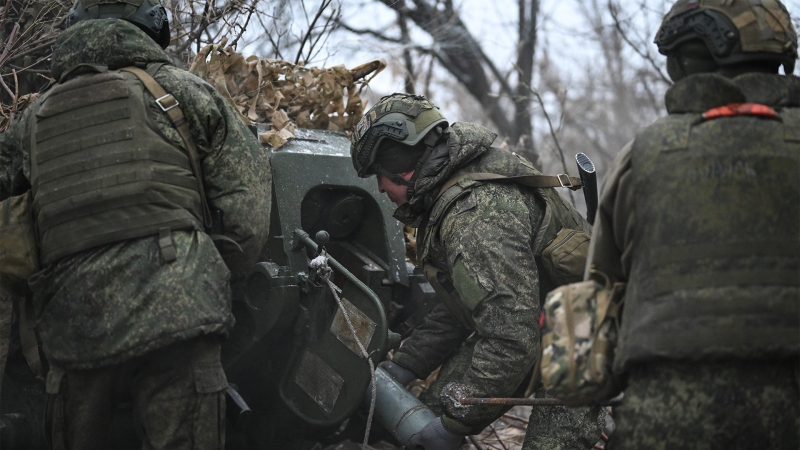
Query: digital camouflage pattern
pixel 710 255
pixel 699 276
pixel 580 334
pixel 178 401
pixel 549 428
pixel 6 317
pixel 484 243
pixel 710 406
pixel 106 305
pixel 465 142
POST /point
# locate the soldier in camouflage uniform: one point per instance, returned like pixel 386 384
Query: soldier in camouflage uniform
pixel 701 218
pixel 478 243
pixel 133 295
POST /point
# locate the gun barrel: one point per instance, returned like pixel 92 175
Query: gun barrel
pixel 588 176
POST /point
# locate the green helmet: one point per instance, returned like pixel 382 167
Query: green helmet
pixel 403 118
pixel 734 31
pixel 148 15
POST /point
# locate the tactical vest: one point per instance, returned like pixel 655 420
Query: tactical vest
pixel 559 219
pixel 101 170
pixel 716 248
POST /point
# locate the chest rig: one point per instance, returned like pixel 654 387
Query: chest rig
pixel 717 238
pixel 560 240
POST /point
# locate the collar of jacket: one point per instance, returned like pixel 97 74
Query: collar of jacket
pixel 465 142
pixel 108 42
pixel 700 92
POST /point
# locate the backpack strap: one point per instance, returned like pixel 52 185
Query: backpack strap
pixel 27 337
pixel 169 104
pixel 447 297
pixel 534 181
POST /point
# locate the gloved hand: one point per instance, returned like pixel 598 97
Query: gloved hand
pixel 435 436
pixel 400 374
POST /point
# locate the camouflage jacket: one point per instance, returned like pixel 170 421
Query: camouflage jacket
pixel 111 303
pixel 484 245
pixel 710 252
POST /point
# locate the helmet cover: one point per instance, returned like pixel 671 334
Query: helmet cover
pixel 734 31
pixel 402 118
pixel 149 15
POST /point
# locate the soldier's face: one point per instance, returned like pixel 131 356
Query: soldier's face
pixel 395 192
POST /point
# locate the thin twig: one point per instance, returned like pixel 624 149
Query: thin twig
pixel 250 12
pixel 204 23
pixel 48 43
pixel 10 92
pixel 499 439
pixel 553 134
pixel 16 94
pixel 322 7
pixel 10 41
pixel 324 32
pixel 372 33
pixel 612 9
pixel 511 416
pixel 5 11
pixel 475 442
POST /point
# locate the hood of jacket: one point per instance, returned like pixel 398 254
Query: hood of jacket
pixel 107 42
pixel 463 142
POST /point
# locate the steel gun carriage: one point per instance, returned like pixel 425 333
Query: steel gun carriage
pixel 294 369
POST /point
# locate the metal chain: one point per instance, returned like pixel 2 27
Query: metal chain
pixel 320 264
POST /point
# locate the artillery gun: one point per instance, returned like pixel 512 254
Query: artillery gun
pixel 294 367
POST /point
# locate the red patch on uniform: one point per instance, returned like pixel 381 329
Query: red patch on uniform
pixel 541 319
pixel 740 109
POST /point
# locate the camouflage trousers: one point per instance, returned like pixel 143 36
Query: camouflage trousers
pixel 6 315
pixel 549 428
pixel 177 393
pixel 708 406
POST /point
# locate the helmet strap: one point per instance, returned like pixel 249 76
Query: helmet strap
pixel 430 142
pixel 396 178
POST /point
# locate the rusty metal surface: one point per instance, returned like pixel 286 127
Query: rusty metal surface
pixel 319 381
pixel 364 326
pixel 457 400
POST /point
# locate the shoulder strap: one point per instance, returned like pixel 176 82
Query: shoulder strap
pixel 455 306
pixel 534 181
pixel 27 337
pixel 169 104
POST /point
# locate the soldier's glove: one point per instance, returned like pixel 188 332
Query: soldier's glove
pixel 435 436
pixel 400 374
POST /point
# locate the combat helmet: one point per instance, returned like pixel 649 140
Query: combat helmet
pixel 406 119
pixel 149 15
pixel 734 31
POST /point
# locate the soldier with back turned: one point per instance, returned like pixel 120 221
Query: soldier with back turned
pixel 700 218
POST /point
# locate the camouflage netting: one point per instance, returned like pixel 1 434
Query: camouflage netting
pixel 286 95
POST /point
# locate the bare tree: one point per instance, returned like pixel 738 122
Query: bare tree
pixel 502 93
pixel 29 28
pixel 620 90
pixel 295 31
